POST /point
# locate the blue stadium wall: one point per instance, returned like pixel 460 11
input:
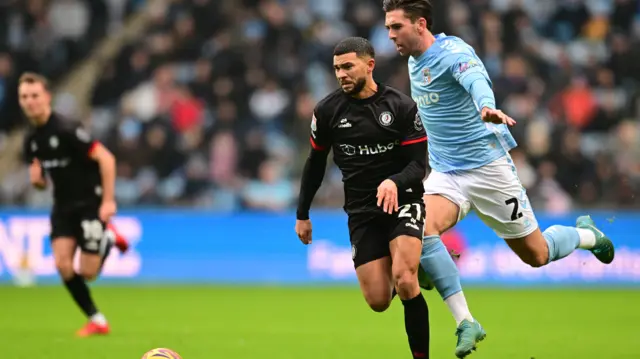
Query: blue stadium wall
pixel 171 246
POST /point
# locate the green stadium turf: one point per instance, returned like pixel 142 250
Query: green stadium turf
pixel 201 322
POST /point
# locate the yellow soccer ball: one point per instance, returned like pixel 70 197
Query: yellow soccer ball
pixel 161 353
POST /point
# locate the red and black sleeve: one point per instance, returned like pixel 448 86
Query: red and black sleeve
pixel 315 166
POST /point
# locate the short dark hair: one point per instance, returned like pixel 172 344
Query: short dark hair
pixel 33 78
pixel 361 46
pixel 413 9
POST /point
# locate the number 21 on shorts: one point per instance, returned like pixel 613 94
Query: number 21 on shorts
pixel 405 211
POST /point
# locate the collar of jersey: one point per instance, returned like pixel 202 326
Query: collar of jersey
pixel 431 50
pixel 368 100
pixel 48 124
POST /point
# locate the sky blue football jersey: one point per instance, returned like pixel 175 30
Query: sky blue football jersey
pixel 443 80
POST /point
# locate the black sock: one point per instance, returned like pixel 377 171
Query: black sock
pixel 80 293
pixel 416 322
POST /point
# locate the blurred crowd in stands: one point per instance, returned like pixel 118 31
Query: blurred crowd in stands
pixel 49 37
pixel 212 107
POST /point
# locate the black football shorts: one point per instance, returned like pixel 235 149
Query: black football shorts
pixel 82 224
pixel 370 233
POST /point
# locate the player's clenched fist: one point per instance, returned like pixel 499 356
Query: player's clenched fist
pixel 35 175
pixel 388 196
pixel 107 210
pixel 496 116
pixel 303 230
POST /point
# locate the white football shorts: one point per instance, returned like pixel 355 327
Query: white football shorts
pixel 494 191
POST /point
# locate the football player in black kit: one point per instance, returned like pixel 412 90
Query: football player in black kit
pixel 83 176
pixel 380 146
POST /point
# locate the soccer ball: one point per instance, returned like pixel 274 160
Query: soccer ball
pixel 161 353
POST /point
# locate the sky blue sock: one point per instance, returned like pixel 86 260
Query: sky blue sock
pixel 562 241
pixel 439 266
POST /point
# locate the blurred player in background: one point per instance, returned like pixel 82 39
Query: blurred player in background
pixel 83 175
pixel 379 144
pixel 469 145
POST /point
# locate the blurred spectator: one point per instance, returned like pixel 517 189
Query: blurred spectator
pixel 270 191
pixel 212 107
pixel 49 37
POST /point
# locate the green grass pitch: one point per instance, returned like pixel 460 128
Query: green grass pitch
pixel 207 322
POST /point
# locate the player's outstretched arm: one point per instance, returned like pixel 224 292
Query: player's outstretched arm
pixel 312 177
pixel 482 94
pixel 107 163
pixel 312 174
pixel 84 145
pixel 469 71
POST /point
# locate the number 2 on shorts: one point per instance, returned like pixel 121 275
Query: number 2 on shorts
pixel 514 214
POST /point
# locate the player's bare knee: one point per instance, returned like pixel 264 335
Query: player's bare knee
pixel 442 216
pixel 433 230
pixel 438 224
pixel 379 304
pixel 406 281
pixel 89 275
pixel 378 301
pixel 536 259
pixel 65 268
pixel 532 250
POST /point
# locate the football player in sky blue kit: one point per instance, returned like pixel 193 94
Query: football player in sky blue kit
pixel 469 145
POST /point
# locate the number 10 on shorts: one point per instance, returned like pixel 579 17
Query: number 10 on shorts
pixel 93 233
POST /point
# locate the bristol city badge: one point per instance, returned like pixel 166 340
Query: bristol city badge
pixel 386 118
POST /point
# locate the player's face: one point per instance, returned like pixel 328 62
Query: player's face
pixel 35 100
pixel 352 72
pixel 404 33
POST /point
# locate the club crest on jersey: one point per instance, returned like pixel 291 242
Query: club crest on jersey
pixel 34 146
pixel 426 76
pixel 417 123
pixel 386 118
pixel 53 142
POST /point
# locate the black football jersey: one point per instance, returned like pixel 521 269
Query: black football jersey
pixel 63 150
pixel 366 136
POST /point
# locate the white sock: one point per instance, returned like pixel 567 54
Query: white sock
pixel 99 319
pixel 587 238
pixel 457 304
